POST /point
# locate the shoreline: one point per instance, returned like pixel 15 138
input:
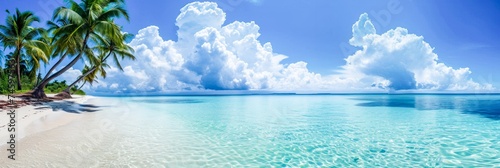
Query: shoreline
pixel 33 118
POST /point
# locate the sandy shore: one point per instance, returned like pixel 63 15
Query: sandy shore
pixel 32 119
pixel 67 133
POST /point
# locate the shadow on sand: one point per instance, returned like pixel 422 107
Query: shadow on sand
pixel 69 106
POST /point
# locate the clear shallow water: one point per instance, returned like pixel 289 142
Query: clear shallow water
pixel 281 131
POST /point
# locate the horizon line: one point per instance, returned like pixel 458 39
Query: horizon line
pixel 283 94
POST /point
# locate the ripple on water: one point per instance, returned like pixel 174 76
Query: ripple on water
pixel 170 101
pixel 290 131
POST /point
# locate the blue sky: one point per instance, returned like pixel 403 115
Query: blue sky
pixel 463 34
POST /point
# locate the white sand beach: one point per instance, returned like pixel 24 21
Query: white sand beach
pixel 32 119
pixel 103 132
pixel 36 118
pixel 65 133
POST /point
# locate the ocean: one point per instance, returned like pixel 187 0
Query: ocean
pixel 277 130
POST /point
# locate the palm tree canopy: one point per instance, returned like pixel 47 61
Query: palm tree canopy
pixel 90 19
pixel 119 50
pixel 69 48
pixel 27 42
pixel 90 78
pixel 86 23
pixel 18 34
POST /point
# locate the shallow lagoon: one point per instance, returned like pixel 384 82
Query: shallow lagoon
pixel 278 130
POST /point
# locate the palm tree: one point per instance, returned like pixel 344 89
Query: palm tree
pixel 2 73
pixel 90 74
pixel 2 70
pixel 90 78
pixel 28 67
pixel 1 56
pixel 88 22
pixel 60 51
pixel 119 50
pixel 19 35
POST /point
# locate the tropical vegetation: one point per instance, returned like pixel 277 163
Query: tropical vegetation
pixel 80 30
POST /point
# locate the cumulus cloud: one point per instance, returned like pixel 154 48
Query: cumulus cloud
pixel 405 60
pixel 206 56
pixel 69 76
pixel 209 55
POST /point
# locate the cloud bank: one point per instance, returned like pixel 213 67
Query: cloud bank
pixel 209 55
pixel 405 60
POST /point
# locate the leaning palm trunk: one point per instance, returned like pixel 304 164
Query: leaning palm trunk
pixel 79 87
pixel 39 92
pixel 79 79
pixel 87 73
pixel 53 68
pixel 88 18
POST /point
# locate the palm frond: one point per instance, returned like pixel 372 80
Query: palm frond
pixel 68 14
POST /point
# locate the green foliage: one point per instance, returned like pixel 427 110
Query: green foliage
pixel 4 84
pixel 78 92
pixel 27 83
pixel 57 87
pixel 80 30
pixel 26 42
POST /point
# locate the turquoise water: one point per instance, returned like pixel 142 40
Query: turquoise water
pixel 316 130
pixel 281 131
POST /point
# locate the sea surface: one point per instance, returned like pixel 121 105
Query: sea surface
pixel 278 131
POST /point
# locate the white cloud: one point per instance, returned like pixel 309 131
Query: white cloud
pixel 405 60
pixel 196 16
pixel 206 55
pixel 69 76
pixel 213 56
